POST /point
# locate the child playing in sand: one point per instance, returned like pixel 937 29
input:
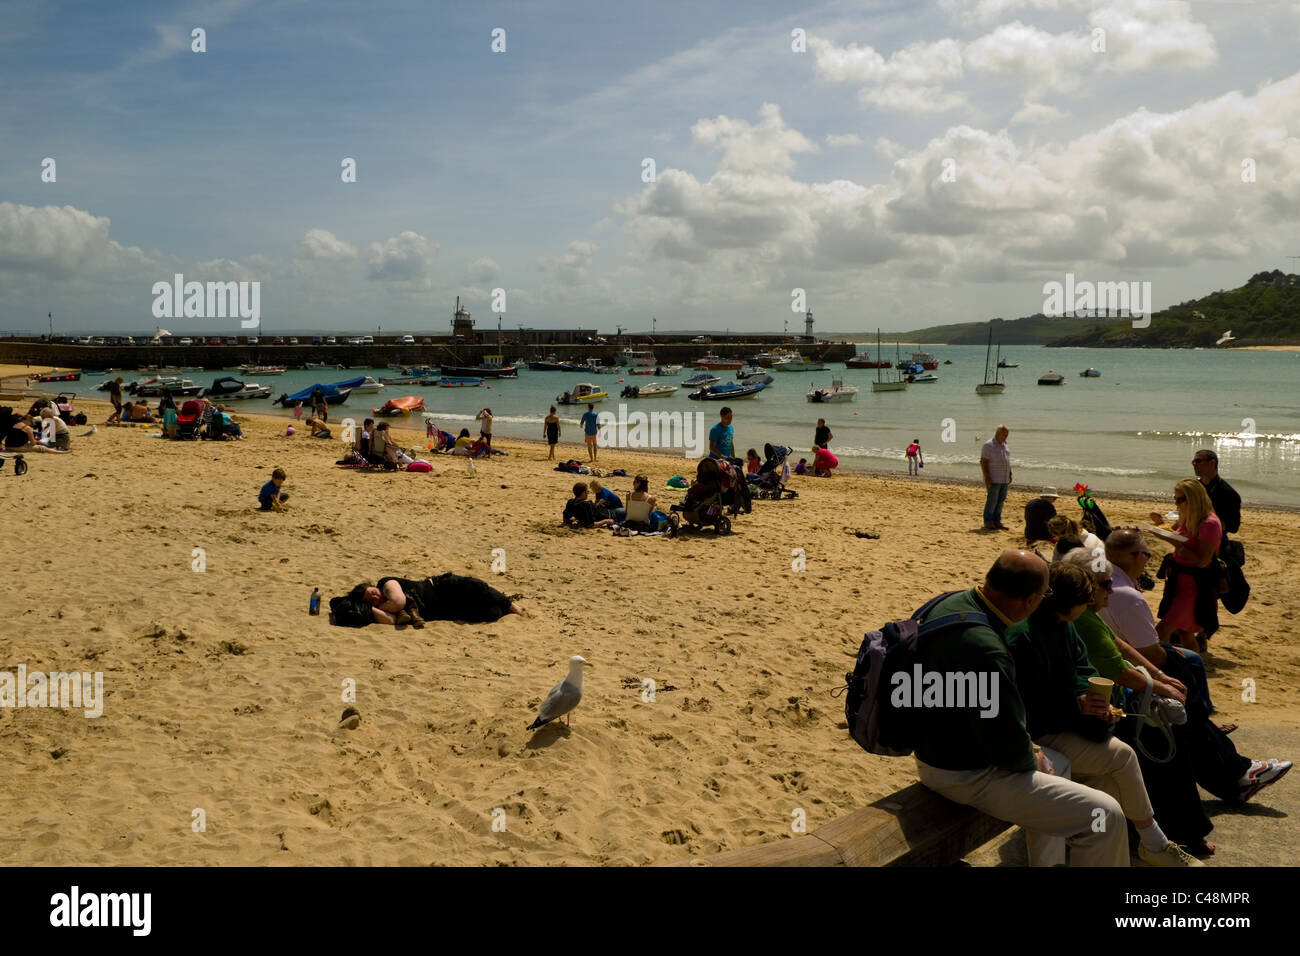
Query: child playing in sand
pixel 271 497
pixel 802 467
pixel 752 464
pixel 297 410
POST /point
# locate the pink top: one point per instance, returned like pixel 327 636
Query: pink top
pixel 1211 529
pixel 825 460
pixel 912 450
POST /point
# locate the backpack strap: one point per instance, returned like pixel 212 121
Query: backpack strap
pixel 964 618
pixel 925 608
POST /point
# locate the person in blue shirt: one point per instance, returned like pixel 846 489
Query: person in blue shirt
pixel 270 497
pixel 722 436
pixel 604 496
pixel 590 425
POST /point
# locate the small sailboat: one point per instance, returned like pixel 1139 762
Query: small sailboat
pixel 882 384
pixel 991 386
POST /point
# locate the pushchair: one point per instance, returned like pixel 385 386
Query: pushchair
pixel 719 487
pixel 769 481
pixel 189 419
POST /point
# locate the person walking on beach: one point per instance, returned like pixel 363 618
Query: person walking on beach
pixel 115 396
pixel 551 430
pixel 986 759
pixel 722 436
pixel 995 463
pixel 822 436
pixel 485 430
pixel 1224 498
pixel 590 425
pixel 914 458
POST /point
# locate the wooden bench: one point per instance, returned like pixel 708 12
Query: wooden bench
pixel 914 827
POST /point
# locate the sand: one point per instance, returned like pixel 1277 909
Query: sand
pixel 224 696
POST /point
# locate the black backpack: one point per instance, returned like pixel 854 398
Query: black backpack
pixel 346 611
pixel 878 726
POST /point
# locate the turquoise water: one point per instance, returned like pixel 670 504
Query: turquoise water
pixel 1132 430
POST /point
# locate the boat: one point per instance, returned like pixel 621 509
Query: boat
pixel 634 360
pixel 1003 363
pixel 334 394
pixel 552 363
pixel 261 369
pixel 649 390
pixel 991 386
pixel 725 392
pixel 668 370
pixel 368 386
pixel 886 384
pixel 595 366
pixel 401 406
pixel 493 367
pixel 1090 373
pixel 925 360
pixel 94 371
pixel 177 386
pixel 799 364
pixel 229 389
pixel 58 377
pixel 714 363
pixel 641 370
pixel 1052 378
pixel 409 380
pixel 864 360
pixel 768 359
pixel 459 382
pixel 838 392
pixel 582 393
pixel 702 380
pixel 921 378
pixel 754 375
pixel 320 365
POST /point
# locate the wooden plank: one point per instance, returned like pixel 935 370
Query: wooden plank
pixel 914 827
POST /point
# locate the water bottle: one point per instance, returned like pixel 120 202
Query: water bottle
pixel 314 606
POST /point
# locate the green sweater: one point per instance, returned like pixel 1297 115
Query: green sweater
pixel 1052 670
pixel 962 739
pixel 1103 652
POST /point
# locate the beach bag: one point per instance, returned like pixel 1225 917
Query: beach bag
pixel 878 726
pixel 1160 713
pixel 346 612
pixel 1237 591
pixel 657 519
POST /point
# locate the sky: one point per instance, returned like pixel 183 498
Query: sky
pixel 676 166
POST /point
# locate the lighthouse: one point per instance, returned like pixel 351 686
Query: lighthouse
pixel 808 324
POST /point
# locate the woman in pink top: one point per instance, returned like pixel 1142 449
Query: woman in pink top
pixel 1190 603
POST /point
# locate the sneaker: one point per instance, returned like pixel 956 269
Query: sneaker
pixel 1171 855
pixel 1260 775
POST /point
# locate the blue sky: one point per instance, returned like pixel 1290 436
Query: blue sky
pixel 822 169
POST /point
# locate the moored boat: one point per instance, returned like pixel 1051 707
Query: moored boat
pixel 725 392
pixel 864 360
pixel 1090 373
pixel 702 380
pixel 58 377
pixel 177 386
pixel 493 367
pixel 1051 378
pixel 459 382
pixel 715 363
pixel 838 392
pixel 230 389
pixel 799 364
pixel 334 394
pixel 925 360
pixel 649 390
pixel 582 393
pixel 991 386
pixel 890 384
pixel 401 406
pixel 261 370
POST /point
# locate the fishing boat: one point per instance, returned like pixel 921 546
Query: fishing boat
pixel 460 383
pixel 838 392
pixel 229 389
pixel 864 360
pixel 177 386
pixel 649 390
pixel 702 380
pixel 58 377
pixel 799 364
pixel 714 363
pixel 725 392
pixel 261 369
pixel 1052 378
pixel 882 384
pixel 1090 373
pixel 493 367
pixel 401 406
pixel 925 360
pixel 582 393
pixel 991 385
pixel 635 359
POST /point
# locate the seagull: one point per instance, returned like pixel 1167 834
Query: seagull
pixel 564 696
pixel 1197 315
pixel 1226 337
pixel 93 429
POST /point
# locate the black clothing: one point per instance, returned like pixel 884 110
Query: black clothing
pixel 454 597
pixel 1038 511
pixel 581 510
pixel 1226 502
pixel 552 432
pixel 822 436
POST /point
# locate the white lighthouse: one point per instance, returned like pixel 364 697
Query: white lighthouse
pixel 808 324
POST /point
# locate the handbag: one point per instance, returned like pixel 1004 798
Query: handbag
pixel 1162 713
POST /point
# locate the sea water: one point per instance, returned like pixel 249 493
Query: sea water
pixel 1134 429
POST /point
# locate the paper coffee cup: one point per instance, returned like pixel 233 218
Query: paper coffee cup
pixel 1100 687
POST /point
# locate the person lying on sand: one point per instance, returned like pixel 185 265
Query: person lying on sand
pixel 447 597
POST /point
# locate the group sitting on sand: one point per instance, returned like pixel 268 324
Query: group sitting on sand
pixel 21 431
pixel 604 509
pixel 400 601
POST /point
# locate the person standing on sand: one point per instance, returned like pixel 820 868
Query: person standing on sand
pixel 822 436
pixel 551 431
pixel 115 396
pixel 590 425
pixel 995 463
pixel 915 461
pixel 485 430
pixel 722 436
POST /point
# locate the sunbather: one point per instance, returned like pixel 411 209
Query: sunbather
pixel 447 597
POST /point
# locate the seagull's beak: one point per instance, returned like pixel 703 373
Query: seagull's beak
pixel 588 664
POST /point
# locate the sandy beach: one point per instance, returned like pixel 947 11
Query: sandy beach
pixel 223 696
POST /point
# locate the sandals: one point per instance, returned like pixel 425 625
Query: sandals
pixel 1226 729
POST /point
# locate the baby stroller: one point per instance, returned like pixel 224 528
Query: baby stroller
pixel 189 419
pixel 769 482
pixel 718 488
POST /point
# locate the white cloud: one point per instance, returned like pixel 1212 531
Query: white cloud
pixel 61 242
pixel 406 259
pixel 482 269
pixel 572 267
pixel 1037 114
pixel 843 139
pixel 769 144
pixel 321 245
